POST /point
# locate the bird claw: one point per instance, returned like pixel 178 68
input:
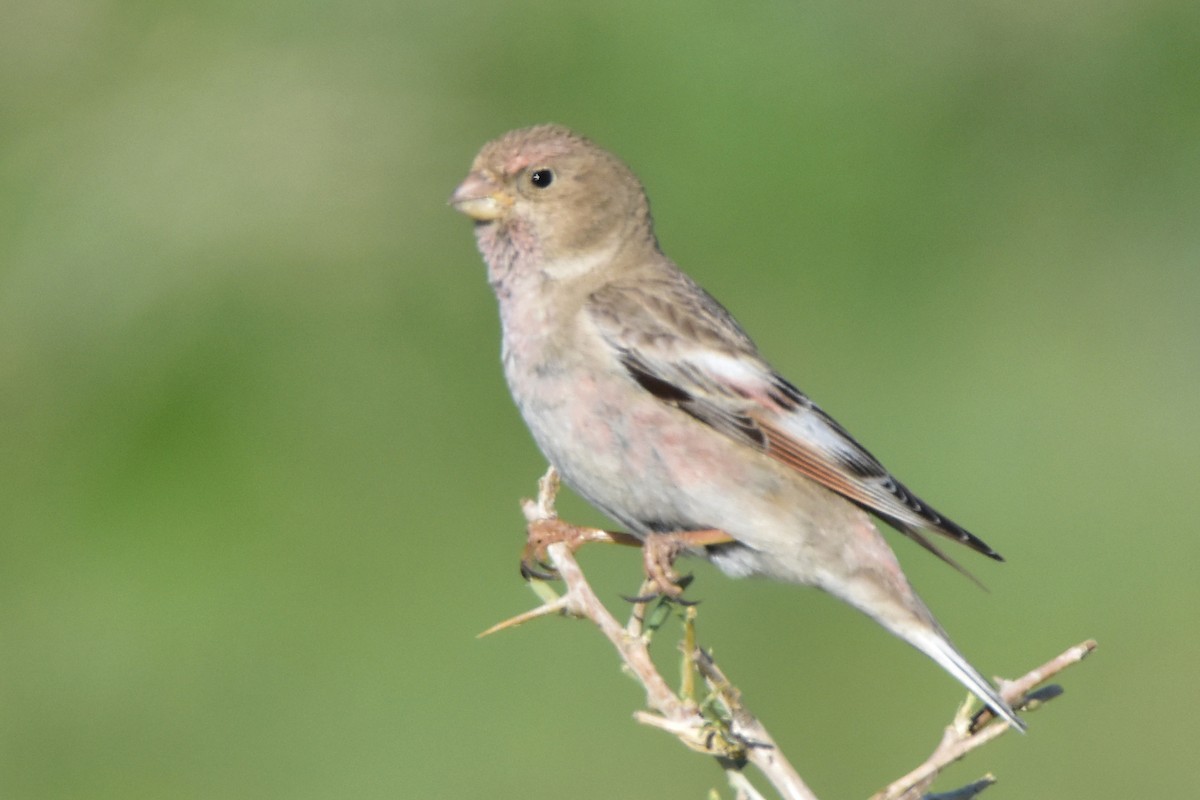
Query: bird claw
pixel 658 558
pixel 660 550
pixel 538 570
pixel 655 592
pixel 541 533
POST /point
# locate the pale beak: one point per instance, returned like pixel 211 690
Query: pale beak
pixel 480 198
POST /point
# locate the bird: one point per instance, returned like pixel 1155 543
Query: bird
pixel 655 405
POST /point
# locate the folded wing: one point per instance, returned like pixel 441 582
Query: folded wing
pixel 695 357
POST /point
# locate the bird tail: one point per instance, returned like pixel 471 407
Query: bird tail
pixel 933 643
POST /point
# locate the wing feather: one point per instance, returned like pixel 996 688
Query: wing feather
pixel 683 347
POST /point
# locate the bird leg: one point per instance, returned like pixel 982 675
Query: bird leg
pixel 541 533
pixel 660 550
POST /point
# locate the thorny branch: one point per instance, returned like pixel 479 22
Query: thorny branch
pixel 721 726
pixel 963 735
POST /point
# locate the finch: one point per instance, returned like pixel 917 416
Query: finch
pixel 655 406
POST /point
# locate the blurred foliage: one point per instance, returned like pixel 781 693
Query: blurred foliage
pixel 259 469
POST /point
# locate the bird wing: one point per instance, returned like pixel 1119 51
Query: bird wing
pixel 680 345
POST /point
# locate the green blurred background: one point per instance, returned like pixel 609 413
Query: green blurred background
pixel 259 471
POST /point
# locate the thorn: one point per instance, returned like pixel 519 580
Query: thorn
pixel 557 607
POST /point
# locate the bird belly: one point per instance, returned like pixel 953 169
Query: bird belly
pixel 654 468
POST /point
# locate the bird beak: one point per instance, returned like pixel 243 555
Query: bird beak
pixel 480 198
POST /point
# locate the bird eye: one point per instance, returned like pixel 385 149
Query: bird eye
pixel 542 178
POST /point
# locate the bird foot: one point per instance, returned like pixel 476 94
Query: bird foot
pixel 659 552
pixel 541 533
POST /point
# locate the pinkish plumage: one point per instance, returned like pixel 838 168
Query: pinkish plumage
pixel 655 405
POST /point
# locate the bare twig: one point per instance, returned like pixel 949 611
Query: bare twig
pixel 680 717
pixel 722 727
pixel 761 750
pixel 959 738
